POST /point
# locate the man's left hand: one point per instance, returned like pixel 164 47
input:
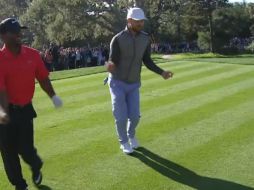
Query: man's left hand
pixel 57 101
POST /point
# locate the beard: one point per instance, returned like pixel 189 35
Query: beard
pixel 137 28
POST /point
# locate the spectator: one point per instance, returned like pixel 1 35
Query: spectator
pixel 78 59
pixel 48 59
pixel 55 53
pixel 74 57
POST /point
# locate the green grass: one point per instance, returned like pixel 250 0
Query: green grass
pixel 76 73
pixel 196 130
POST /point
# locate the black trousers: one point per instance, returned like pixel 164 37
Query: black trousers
pixel 17 138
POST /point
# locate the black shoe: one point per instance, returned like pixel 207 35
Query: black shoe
pixel 37 178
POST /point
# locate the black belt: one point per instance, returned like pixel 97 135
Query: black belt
pixel 19 107
pixel 22 111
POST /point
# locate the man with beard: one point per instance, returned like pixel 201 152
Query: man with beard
pixel 128 49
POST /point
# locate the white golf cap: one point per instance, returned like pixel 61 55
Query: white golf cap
pixel 136 14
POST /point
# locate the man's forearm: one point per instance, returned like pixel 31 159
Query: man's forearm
pixel 149 62
pixel 153 67
pixel 47 87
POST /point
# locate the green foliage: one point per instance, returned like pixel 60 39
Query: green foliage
pixel 204 40
pixel 13 8
pixel 78 22
pixel 251 47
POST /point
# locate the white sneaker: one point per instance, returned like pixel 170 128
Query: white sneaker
pixel 126 148
pixel 134 143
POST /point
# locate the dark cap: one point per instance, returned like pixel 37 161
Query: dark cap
pixel 10 25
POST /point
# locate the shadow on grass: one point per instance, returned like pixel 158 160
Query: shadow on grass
pixel 44 187
pixel 183 175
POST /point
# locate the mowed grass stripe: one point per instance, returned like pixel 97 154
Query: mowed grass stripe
pixel 104 107
pixel 75 81
pixel 92 118
pixel 171 123
pixel 174 95
pixel 97 83
pixel 102 91
pixel 223 146
pixel 238 146
pixel 84 153
pixel 98 97
pixel 146 73
pixel 96 93
pixel 118 160
pixel 229 61
pixel 174 87
pixel 217 159
pixel 199 133
pixel 196 82
pixel 102 142
pixel 196 101
pixel 72 131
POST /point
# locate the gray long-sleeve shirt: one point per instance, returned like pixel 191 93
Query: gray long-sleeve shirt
pixel 128 52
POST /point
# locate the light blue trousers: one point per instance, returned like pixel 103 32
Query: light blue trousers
pixel 125 107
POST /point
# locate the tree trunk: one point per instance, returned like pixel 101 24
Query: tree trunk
pixel 210 18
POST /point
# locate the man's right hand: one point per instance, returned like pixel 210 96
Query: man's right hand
pixel 110 66
pixel 167 74
pixel 4 118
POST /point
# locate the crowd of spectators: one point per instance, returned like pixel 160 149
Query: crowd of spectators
pixel 59 58
pixel 240 43
pixel 167 48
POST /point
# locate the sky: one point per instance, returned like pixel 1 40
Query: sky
pixel 250 1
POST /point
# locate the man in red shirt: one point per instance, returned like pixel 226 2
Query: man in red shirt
pixel 19 67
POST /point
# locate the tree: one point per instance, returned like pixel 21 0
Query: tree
pixel 231 22
pixel 64 21
pixel 206 8
pixel 78 22
pixel 250 10
pixel 13 8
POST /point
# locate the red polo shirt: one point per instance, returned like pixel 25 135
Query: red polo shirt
pixel 18 74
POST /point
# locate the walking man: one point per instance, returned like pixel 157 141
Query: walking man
pixel 19 67
pixel 128 49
